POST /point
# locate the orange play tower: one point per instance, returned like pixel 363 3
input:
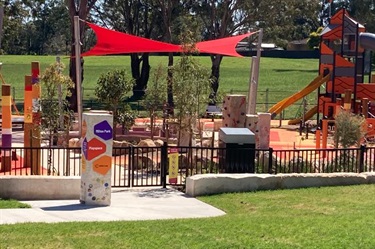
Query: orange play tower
pixel 342 54
pixel 342 83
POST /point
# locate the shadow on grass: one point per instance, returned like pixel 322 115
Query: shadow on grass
pixel 296 70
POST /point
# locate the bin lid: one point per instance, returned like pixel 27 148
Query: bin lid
pixel 236 135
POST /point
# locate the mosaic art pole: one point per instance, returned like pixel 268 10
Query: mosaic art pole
pixel 28 119
pixel 36 116
pixel 97 141
pixel 6 137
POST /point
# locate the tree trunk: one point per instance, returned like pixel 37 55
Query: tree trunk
pixel 72 99
pixel 141 73
pixel 170 85
pixel 215 74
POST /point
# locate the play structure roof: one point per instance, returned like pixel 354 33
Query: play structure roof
pixel 114 42
pixel 334 29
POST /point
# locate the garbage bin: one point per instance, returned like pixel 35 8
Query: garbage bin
pixel 237 153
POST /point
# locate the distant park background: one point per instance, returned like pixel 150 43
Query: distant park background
pixel 279 77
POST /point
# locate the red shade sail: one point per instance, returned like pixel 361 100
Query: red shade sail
pixel 114 42
pixel 223 46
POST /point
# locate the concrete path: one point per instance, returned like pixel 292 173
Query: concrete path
pixel 150 204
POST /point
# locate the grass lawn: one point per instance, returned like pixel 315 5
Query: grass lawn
pixel 281 77
pixel 6 203
pixel 331 217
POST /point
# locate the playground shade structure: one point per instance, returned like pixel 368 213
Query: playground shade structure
pixel 114 42
pixel 280 106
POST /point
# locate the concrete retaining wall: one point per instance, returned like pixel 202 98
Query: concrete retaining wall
pixel 40 187
pixel 224 183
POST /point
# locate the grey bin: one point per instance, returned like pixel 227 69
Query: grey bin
pixel 237 152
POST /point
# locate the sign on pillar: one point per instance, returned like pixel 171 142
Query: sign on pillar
pixel 173 165
pixel 96 159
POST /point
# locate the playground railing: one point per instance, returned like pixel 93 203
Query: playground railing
pixel 152 166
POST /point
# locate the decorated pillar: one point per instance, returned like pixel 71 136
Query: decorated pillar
pixel 264 127
pixel 97 135
pixel 6 136
pixel 36 119
pixel 234 111
pixel 28 120
pixel 252 124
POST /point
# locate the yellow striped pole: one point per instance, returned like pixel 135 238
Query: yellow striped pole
pixel 6 136
pixel 28 120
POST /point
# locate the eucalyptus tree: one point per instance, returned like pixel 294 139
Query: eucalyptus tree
pixel 220 19
pixel 136 17
pixel 287 20
pixel 14 40
pixel 51 34
pixel 282 21
pixel 170 10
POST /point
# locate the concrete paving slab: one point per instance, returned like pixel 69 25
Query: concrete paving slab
pixel 129 204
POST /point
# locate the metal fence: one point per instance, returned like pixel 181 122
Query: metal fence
pixel 149 166
pixel 265 100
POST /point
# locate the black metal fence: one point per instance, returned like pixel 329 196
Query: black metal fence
pixel 151 166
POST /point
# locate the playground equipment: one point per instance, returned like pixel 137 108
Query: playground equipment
pixel 342 53
pixel 343 64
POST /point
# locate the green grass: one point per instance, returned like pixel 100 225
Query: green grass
pixel 331 217
pixel 9 203
pixel 281 77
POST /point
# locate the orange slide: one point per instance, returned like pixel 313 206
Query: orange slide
pixel 317 82
pixel 307 116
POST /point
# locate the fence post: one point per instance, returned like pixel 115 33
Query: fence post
pixel 163 164
pixel 267 92
pixel 131 166
pixel 362 150
pixel 270 152
pixel 14 94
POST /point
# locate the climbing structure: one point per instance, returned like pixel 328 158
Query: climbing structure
pixel 342 54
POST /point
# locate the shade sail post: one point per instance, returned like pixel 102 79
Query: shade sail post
pixel 254 76
pixel 77 46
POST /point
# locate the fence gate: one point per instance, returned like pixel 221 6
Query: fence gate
pixel 137 167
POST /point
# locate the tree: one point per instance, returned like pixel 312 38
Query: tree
pixel 155 95
pixel 349 129
pixel 135 17
pixel 221 19
pixel 175 17
pixel 286 20
pixel 14 40
pixel 35 27
pixel 314 39
pixel 191 83
pixel 55 115
pixel 112 90
pixel 54 84
pixel 80 8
